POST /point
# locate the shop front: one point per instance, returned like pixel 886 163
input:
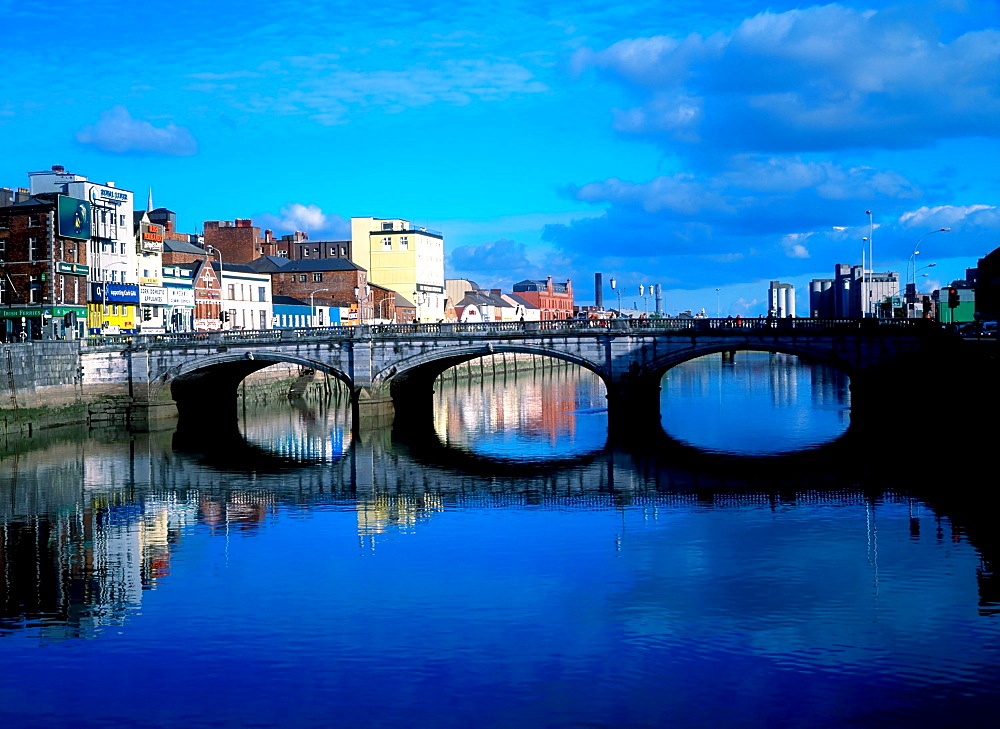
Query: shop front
pixel 113 309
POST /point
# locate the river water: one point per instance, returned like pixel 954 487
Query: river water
pixel 511 569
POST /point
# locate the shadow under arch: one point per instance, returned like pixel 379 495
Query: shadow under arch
pixel 205 391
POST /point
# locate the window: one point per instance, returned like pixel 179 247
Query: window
pixel 302 277
pixel 263 320
pixel 387 244
pixel 3 291
pixel 404 244
pixel 317 277
pixel 3 249
pixel 33 221
pixel 34 250
pixel 261 293
pixel 386 226
pixel 231 292
pixel 305 253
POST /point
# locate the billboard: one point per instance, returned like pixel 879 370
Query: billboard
pixel 73 218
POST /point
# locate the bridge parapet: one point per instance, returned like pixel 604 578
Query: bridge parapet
pixel 559 327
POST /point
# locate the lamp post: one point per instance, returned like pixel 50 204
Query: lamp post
pixel 718 303
pixel 871 259
pixel 419 299
pixel 212 251
pixel 916 252
pixel 312 308
pixel 360 299
pixel 619 292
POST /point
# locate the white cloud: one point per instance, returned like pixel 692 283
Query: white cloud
pixel 117 131
pixel 827 77
pixel 308 218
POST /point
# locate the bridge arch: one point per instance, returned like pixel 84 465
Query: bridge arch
pixel 410 381
pixel 209 383
pixel 659 366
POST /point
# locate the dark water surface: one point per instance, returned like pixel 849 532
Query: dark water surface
pixel 311 578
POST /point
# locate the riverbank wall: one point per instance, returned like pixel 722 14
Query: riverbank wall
pixel 51 384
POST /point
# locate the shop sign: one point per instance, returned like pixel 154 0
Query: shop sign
pixel 37 311
pixel 152 295
pixel 180 297
pixel 114 293
pixel 76 269
pixel 108 195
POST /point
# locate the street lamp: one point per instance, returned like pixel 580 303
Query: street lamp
pixel 619 292
pixel 312 309
pixel 871 259
pixel 212 250
pixel 360 299
pixel 718 304
pixel 916 252
pixel 419 299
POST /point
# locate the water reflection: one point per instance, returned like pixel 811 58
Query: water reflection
pixel 347 570
pixel 754 403
pixel 546 412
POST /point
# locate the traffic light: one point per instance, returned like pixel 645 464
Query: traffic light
pixel 952 297
pixel 224 316
pixel 147 313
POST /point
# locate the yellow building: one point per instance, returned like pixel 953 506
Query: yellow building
pixel 405 258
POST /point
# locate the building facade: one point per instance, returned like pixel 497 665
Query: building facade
pixel 553 300
pixel 405 258
pixel 781 300
pixel 43 266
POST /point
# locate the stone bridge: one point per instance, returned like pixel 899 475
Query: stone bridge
pixel 390 368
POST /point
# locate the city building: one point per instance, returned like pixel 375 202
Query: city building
pixel 855 292
pixel 113 296
pixel 781 300
pixel 330 281
pixel 299 250
pixel 553 300
pixel 43 265
pixel 405 258
pixel 246 296
pixel 956 303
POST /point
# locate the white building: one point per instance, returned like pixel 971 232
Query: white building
pixel 781 300
pixel 247 302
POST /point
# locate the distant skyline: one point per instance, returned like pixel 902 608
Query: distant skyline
pixel 696 147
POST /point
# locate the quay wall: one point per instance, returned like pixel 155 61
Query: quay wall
pixel 46 384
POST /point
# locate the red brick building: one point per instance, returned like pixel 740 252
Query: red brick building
pixel 332 281
pixel 553 300
pixel 43 274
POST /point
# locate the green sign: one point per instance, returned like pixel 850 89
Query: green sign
pixel 37 311
pixel 73 218
pixel 75 268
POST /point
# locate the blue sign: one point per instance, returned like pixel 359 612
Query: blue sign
pixel 114 293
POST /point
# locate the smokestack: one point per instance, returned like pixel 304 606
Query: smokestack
pixel 599 291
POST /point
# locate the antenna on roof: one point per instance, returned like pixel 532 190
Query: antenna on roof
pixel 149 202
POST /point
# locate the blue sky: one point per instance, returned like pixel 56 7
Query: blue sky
pixel 699 146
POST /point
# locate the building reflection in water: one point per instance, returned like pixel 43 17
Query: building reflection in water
pixel 544 408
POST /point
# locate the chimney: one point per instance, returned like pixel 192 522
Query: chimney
pixel 548 284
pixel 268 235
pixel 599 291
pixel 59 169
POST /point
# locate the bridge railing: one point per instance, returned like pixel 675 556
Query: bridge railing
pixel 559 326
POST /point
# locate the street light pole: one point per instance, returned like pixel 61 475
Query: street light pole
pixel 871 258
pixel 212 250
pixel 619 292
pixel 312 309
pixel 916 252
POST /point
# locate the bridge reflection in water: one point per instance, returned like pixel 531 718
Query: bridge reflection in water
pixel 477 586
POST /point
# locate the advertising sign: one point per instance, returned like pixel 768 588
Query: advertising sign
pixel 73 218
pixel 180 297
pixel 114 293
pixel 152 295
